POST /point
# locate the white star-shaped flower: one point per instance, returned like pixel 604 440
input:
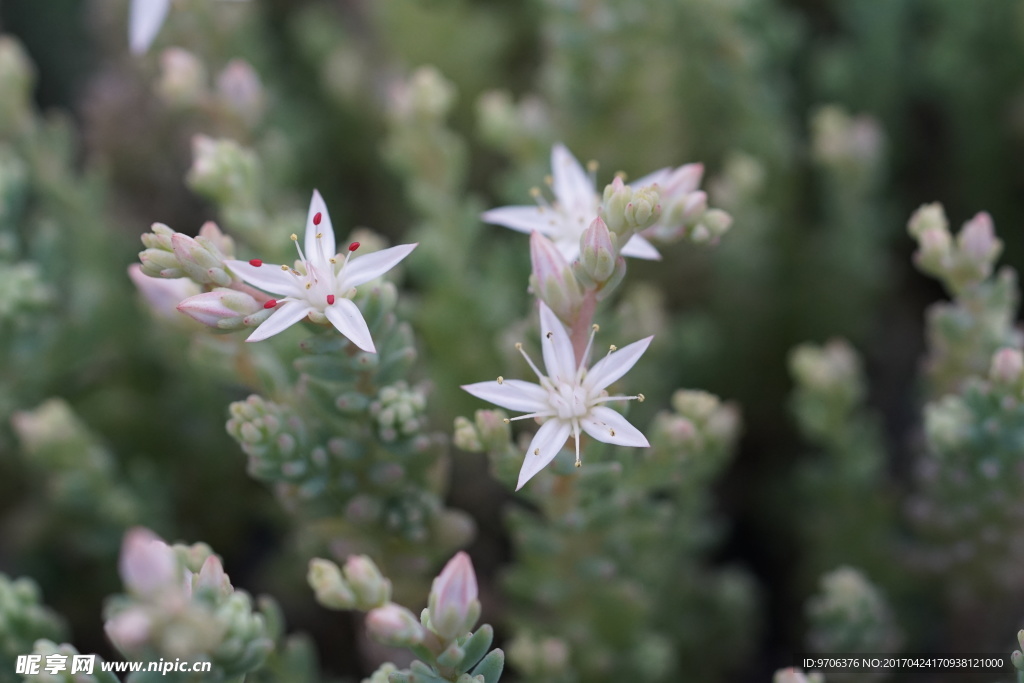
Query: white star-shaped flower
pixel 321 284
pixel 570 398
pixel 575 207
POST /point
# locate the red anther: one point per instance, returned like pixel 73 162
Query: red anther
pixel 330 299
pixel 256 262
pixel 353 246
pixel 270 304
pixel 316 218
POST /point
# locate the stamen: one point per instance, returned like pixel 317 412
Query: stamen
pixel 519 348
pixel 285 268
pixel 353 246
pixel 576 437
pixel 585 358
pixel 256 263
pixel 295 239
pixel 536 451
pixel 270 303
pixel 613 347
pixel 501 380
pixel 611 432
pixel 330 299
pixel 640 398
pixel 592 167
pixel 549 180
pixel 621 175
pixel 506 420
pixel 549 335
pixel 309 285
pixel 538 196
pixel 316 219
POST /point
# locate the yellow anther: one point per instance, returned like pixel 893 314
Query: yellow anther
pixel 285 268
pixel 506 420
pixel 595 327
pixel 295 238
pixel 308 285
pixel 519 346
pixel 534 191
pixel 501 380
pixel 332 260
pixel 613 347
pixel 319 235
pixel 536 451
pixel 549 180
pixel 640 398
pixel 621 175
pixel 579 464
pixel 612 432
pixel 592 165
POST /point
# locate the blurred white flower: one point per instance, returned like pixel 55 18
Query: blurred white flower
pixel 574 209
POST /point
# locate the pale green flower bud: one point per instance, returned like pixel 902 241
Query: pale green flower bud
pixel 597 252
pixel 713 224
pixel 223 170
pixel 183 79
pixel 426 95
pixel 201 261
pixel 934 254
pixel 928 216
pixel 552 279
pixel 466 437
pixel 453 605
pixel 212 238
pixel 627 211
pixel 1007 366
pixel 395 625
pixel 370 587
pixel 696 405
pixel 212 578
pixel 332 591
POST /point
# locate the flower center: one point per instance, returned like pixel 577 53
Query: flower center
pixel 569 401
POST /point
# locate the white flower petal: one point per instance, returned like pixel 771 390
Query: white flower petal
pixel 559 358
pixel 347 319
pixel 546 444
pixel 286 315
pixel 317 206
pixel 615 365
pixel 660 177
pixel 638 247
pixel 604 424
pixel 513 394
pixel 268 277
pixel 523 218
pixel 572 186
pixel 145 17
pixel 362 269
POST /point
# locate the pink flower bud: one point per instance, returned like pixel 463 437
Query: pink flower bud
pixel 395 625
pixel 1007 366
pixel 147 564
pixel 212 577
pixel 223 309
pixel 552 278
pixel 597 251
pixel 978 242
pixel 369 585
pixel 162 294
pixel 454 607
pixel 129 629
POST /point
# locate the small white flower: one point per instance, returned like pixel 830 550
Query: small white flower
pixel 569 398
pixel 574 209
pixel 322 283
pixel 145 17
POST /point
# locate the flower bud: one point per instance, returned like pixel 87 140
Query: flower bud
pixel 427 95
pixel 223 309
pixel 1007 366
pixel 928 216
pixel 613 208
pixel 129 629
pixel 331 590
pixel 211 237
pixel 162 294
pixel 644 208
pixel 211 577
pixel 395 625
pixel 978 243
pixel 627 211
pixel 240 89
pixel 934 253
pixel 466 437
pixel 201 262
pixel 147 564
pixel 453 604
pixel 224 170
pixel 370 587
pixel 182 78
pixel 552 279
pixel 597 252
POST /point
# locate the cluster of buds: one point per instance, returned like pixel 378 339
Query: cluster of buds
pixel 830 385
pixel 684 210
pixel 25 619
pixel 398 411
pixel 170 254
pixel 960 264
pixel 180 604
pixel 850 616
pixel 184 83
pixel 443 635
pixel 844 141
pixel 225 171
